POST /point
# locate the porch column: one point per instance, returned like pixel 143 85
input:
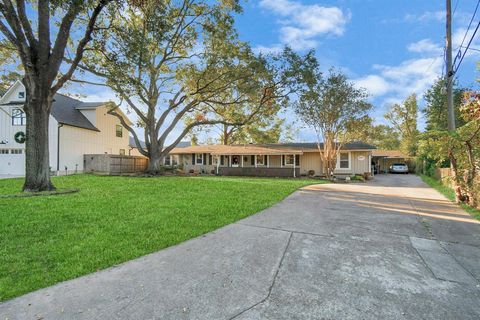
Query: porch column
pixel 370 164
pixel 294 173
pixel 268 161
pixel 229 160
pixel 242 160
pixel 218 163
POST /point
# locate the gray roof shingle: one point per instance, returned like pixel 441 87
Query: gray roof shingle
pixel 356 145
pixel 65 111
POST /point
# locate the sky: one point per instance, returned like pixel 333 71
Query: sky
pixel 392 48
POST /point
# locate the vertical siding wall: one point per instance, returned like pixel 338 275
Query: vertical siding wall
pixel 311 161
pixel 75 142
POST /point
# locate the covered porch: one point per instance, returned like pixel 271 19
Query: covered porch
pixel 258 164
pixel 241 160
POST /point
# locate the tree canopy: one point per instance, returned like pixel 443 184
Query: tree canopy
pixel 436 104
pixel 403 118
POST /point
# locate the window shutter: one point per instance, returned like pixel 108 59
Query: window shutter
pixel 204 159
pixel 210 159
pixel 222 161
pixel 193 158
pixel 252 158
pixel 297 159
pixel 265 160
pixel 283 160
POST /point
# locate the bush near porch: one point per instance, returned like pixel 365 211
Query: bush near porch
pixel 49 239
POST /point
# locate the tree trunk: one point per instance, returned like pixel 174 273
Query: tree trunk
pixel 155 147
pixel 457 186
pixel 470 176
pixel 226 135
pixel 155 165
pixel 37 162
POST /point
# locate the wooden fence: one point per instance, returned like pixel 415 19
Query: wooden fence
pixel 443 174
pixel 114 164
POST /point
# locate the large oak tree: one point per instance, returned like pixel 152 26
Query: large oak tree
pixel 40 39
pixel 175 64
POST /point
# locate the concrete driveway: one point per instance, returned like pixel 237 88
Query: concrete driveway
pixel 388 249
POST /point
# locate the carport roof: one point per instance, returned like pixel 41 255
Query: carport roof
pixel 390 154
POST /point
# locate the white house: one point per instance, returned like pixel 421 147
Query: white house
pixel 75 128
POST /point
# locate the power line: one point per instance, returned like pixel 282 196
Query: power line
pixel 466 48
pixel 455 9
pixel 473 49
pixel 466 32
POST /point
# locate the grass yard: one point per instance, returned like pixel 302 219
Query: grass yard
pixel 449 194
pixel 48 239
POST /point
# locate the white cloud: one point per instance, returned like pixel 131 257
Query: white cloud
pixel 376 85
pixel 426 16
pixel 396 82
pixel 267 50
pixel 303 23
pixel 425 46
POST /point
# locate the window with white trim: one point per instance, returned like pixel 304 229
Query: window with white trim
pixel 4 151
pixel 119 130
pixel 199 158
pixel 21 95
pixel 260 160
pixel 344 160
pixel 16 151
pixel 18 117
pixel 289 159
pixel 174 160
pixel 166 161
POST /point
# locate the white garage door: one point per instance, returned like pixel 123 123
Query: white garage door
pixel 12 162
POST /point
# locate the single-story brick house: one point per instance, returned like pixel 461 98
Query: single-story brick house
pixel 275 160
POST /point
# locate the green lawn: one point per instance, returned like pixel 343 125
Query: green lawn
pixel 449 194
pixel 47 239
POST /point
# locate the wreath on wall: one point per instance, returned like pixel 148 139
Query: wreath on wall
pixel 19 137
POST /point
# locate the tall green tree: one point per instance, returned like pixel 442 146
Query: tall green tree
pixel 403 117
pixel 436 106
pixel 331 106
pixel 461 148
pixel 40 39
pixel 381 136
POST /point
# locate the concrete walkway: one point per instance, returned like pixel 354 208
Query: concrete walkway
pixel 8 176
pixel 388 249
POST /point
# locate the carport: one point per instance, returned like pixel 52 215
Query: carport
pixel 383 159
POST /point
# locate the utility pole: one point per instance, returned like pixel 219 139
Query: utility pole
pixel 450 74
